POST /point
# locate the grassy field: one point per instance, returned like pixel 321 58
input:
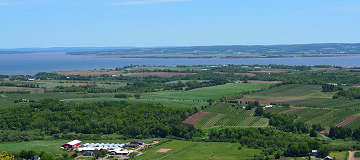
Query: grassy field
pixel 208 92
pixel 172 103
pixel 293 90
pixel 56 84
pixel 328 103
pixel 222 114
pixel 339 155
pixel 199 150
pixel 112 86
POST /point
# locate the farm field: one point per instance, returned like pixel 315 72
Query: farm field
pixel 12 97
pixel 326 117
pixel 339 155
pixel 222 114
pixel 172 103
pixel 293 90
pixel 90 73
pixel 328 103
pixel 160 74
pixel 199 150
pixel 206 93
pixel 354 124
pixel 112 86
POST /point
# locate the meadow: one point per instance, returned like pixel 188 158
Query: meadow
pixel 199 150
pixel 293 90
pixel 206 93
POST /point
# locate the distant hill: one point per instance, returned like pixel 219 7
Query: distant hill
pixel 60 49
pixel 219 51
pixel 233 51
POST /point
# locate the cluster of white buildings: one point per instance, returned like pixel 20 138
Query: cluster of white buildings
pixel 112 148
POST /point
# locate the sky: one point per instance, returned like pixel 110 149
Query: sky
pixel 149 23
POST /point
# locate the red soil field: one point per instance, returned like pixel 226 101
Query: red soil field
pixel 160 74
pixel 248 74
pixel 341 124
pixel 87 73
pixel 347 121
pixel 272 71
pixel 192 119
pixel 269 100
pixel 293 111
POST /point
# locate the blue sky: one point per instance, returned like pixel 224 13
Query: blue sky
pixel 142 23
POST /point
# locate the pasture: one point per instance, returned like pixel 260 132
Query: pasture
pixel 206 93
pixel 199 150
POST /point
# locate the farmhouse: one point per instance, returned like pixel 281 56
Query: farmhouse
pixel 73 144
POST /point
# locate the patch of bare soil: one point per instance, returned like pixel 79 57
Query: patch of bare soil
pixel 269 100
pixel 328 69
pixel 163 150
pixel 293 111
pixel 352 154
pixel 87 73
pixel 192 119
pixel 347 121
pixel 160 74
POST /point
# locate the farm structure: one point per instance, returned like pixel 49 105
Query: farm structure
pixel 72 144
pixel 111 148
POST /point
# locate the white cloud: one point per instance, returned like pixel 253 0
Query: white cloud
pixel 147 2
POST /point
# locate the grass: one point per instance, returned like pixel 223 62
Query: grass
pixel 293 90
pixel 339 155
pixel 199 150
pixel 112 86
pixel 328 103
pixel 56 84
pixel 38 145
pixel 206 93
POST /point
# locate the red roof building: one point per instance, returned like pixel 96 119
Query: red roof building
pixel 73 144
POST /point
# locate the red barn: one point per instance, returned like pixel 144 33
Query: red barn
pixel 72 144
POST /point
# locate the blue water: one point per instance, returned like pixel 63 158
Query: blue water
pixel 30 64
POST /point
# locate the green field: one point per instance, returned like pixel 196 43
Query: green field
pixel 199 150
pixel 339 155
pixel 208 92
pixel 354 124
pixel 112 86
pixel 12 97
pixel 222 114
pixel 328 103
pixel 56 84
pixel 293 90
pixel 357 154
pixel 172 103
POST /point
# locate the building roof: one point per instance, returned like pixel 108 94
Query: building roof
pixel 73 142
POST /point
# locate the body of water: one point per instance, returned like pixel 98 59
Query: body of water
pixel 30 64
